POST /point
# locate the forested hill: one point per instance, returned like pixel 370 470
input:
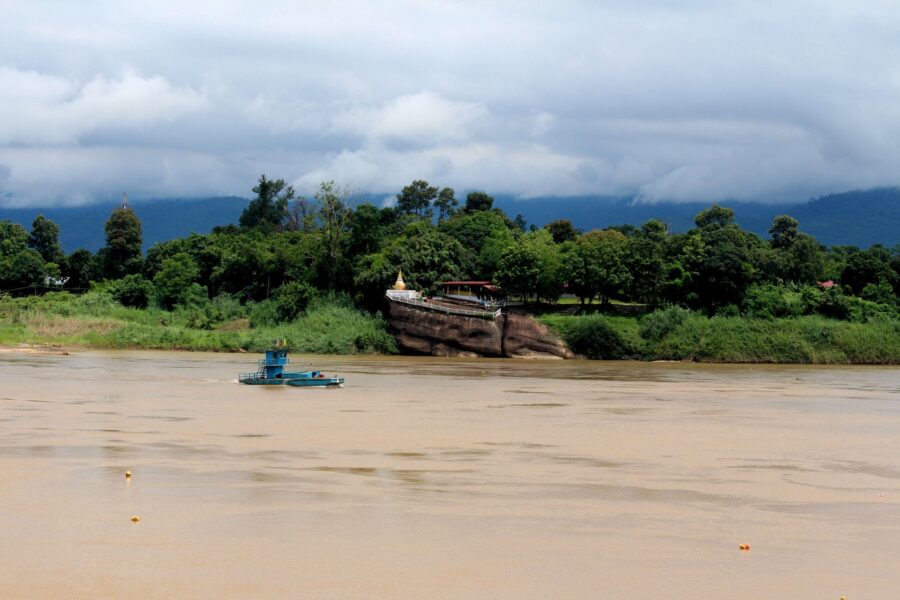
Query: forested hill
pixel 161 220
pixel 859 218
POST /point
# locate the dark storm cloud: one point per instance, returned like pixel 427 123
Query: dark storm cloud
pixel 666 100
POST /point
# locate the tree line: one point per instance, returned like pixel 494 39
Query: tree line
pixel 287 248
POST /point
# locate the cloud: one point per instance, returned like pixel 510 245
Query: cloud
pixel 47 109
pixel 669 101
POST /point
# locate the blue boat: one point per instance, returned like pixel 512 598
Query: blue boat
pixel 272 372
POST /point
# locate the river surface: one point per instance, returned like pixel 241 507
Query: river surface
pixel 435 478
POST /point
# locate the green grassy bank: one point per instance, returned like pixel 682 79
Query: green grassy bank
pixel 332 326
pixel 676 334
pixel 94 320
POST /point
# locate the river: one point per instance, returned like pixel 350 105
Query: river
pixel 433 478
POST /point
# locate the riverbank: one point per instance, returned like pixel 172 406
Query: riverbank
pixel 686 336
pixel 93 320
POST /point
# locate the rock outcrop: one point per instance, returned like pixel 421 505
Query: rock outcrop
pixel 438 334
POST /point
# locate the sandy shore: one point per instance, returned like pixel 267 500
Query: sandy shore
pixel 28 349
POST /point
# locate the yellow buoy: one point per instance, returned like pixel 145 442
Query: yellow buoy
pixel 127 474
pixel 135 519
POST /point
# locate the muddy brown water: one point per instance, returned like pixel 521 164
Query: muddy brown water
pixel 435 478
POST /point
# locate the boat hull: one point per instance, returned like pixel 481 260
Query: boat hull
pixel 295 380
pixel 316 382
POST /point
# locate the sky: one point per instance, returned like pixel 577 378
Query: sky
pixel 663 100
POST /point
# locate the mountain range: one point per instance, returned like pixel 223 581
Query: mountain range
pixel 858 218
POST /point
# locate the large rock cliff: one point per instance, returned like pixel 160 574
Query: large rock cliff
pixel 438 334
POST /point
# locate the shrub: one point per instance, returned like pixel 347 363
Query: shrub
pixel 292 298
pixel 768 301
pixel 880 292
pixel 657 325
pixel 592 337
pixel 264 314
pixel 229 307
pixel 729 310
pixel 131 290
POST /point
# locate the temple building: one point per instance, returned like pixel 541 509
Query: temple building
pixel 399 290
pixel 483 292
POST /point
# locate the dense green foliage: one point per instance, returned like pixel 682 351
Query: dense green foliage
pixel 679 334
pixel 330 255
pixel 122 253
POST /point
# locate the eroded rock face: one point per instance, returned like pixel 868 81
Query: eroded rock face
pixel 512 335
pixel 523 337
pixel 420 331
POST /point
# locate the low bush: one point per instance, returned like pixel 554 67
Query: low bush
pixel 658 324
pixel 132 290
pixel 591 336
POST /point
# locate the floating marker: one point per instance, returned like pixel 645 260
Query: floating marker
pixel 135 519
pixel 127 474
pixel 744 546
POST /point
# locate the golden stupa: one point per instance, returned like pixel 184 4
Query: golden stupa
pixel 399 284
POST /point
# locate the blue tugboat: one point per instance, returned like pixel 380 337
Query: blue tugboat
pixel 272 372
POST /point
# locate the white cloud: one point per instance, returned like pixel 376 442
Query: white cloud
pixel 424 118
pixel 39 109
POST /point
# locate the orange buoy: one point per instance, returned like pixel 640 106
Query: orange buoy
pixel 135 519
pixel 744 546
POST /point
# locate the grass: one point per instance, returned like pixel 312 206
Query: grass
pixel 694 337
pixel 96 321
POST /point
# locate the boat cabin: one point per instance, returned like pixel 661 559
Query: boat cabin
pixel 272 366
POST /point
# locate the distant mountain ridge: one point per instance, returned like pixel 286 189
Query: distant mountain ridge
pixel 859 218
pixel 161 220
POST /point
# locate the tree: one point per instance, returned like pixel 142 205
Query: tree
pixel 872 266
pixel 291 299
pixel 491 249
pixel 425 255
pixel 13 238
pixel 268 210
pixel 561 230
pixel 473 229
pixel 783 231
pixel 366 230
pixel 132 290
pixel 520 223
pixel 21 271
pixel 446 203
pixel 726 270
pixel 518 270
pixel 416 198
pixel 44 238
pixel 301 215
pixel 174 281
pixel 334 221
pixel 645 260
pixel 596 265
pixel 478 201
pixel 713 217
pixel 81 267
pixel 122 252
pixel 805 261
pixel 531 267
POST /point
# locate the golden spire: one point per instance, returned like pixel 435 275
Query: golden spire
pixel 399 285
